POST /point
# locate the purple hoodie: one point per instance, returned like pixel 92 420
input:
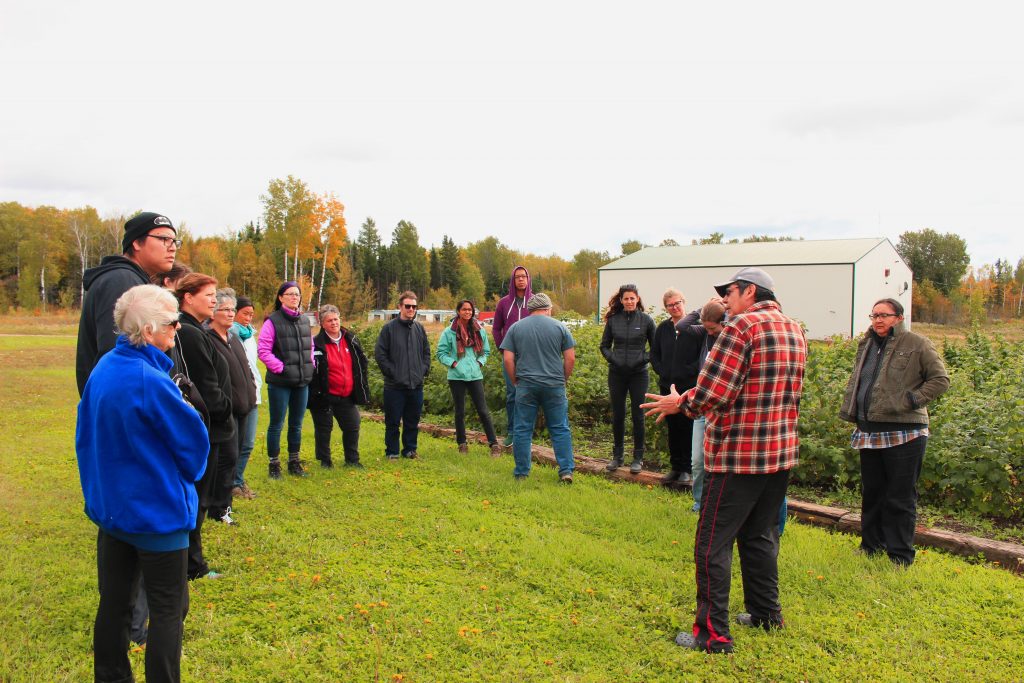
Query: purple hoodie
pixel 509 312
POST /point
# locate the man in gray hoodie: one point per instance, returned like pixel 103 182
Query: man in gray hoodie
pixel 511 309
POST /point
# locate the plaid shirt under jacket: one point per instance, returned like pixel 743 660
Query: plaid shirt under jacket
pixel 749 391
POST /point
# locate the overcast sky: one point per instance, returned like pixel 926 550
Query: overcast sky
pixel 554 126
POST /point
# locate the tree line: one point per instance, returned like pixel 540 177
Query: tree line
pixel 303 235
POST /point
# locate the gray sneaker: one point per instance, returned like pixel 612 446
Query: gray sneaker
pixel 636 466
pixel 614 464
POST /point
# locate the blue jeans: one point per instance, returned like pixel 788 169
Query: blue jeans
pixel 246 428
pixel 697 460
pixel 510 404
pixel 553 401
pixel 293 401
pixel 402 406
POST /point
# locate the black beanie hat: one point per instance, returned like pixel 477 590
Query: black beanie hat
pixel 140 225
pixel 243 302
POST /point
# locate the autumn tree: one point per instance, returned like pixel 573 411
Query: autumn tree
pixel 632 246
pixel 289 213
pixel 940 259
pixel 495 262
pixel 585 263
pixel 713 238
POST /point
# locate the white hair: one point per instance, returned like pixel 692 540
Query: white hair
pixel 141 308
pixel 225 294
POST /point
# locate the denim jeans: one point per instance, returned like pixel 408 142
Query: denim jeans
pixel 291 400
pixel 246 428
pixel 697 460
pixel 510 405
pixel 552 400
pixel 402 406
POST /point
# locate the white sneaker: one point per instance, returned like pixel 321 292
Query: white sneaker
pixel 226 517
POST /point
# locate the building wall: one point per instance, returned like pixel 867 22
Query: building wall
pixel 873 284
pixel 820 296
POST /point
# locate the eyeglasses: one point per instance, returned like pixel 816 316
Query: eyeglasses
pixel 412 306
pixel 882 316
pixel 226 310
pixel 290 294
pixel 168 241
pixel 674 304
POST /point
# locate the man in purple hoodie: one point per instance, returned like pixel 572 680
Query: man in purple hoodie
pixel 511 308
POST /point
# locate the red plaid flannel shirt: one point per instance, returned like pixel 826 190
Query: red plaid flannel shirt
pixel 749 391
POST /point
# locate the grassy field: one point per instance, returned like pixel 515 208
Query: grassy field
pixel 445 569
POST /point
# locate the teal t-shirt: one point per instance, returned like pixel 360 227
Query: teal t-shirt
pixel 538 343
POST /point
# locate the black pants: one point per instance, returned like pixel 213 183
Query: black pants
pixel 196 562
pixel 223 481
pixel 680 438
pixel 119 566
pixel 889 498
pixel 344 410
pixel 402 407
pixel 635 384
pixel 476 393
pixel 742 508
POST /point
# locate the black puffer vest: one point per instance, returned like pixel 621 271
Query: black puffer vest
pixel 293 341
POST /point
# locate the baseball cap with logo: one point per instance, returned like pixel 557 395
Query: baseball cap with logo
pixel 753 275
pixel 140 225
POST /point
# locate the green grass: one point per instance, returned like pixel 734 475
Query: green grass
pixel 464 575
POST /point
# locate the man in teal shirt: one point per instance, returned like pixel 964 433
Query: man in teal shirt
pixel 539 355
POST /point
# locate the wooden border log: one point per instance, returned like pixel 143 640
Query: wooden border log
pixel 1009 556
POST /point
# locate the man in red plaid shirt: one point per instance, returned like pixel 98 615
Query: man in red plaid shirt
pixel 749 391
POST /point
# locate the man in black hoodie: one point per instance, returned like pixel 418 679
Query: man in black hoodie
pixel 149 246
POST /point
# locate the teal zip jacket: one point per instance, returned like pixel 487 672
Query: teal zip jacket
pixel 468 368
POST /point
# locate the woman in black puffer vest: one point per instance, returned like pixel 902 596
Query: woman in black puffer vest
pixel 286 348
pixel 626 343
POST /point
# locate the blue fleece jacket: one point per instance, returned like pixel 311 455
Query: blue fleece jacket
pixel 140 449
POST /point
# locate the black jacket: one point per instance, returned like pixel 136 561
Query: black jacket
pixel 243 386
pixel 104 285
pixel 197 357
pixel 626 339
pixel 403 354
pixel 686 364
pixel 662 349
pixel 318 388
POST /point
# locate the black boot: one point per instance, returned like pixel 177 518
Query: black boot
pixel 638 463
pixel 295 466
pixel 671 478
pixel 275 469
pixel 615 463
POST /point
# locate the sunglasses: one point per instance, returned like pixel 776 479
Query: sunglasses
pixel 413 306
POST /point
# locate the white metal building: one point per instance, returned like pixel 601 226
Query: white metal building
pixel 829 285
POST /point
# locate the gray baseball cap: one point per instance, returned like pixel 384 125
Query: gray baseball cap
pixel 538 302
pixel 753 275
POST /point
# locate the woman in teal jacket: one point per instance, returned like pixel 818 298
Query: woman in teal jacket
pixel 464 349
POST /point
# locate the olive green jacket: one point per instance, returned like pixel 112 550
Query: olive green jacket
pixel 911 376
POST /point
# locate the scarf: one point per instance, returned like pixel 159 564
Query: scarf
pixel 464 336
pixel 243 331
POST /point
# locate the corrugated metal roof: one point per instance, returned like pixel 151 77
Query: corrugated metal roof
pixel 798 252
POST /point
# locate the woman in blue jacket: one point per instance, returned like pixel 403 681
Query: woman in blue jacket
pixel 463 349
pixel 140 450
